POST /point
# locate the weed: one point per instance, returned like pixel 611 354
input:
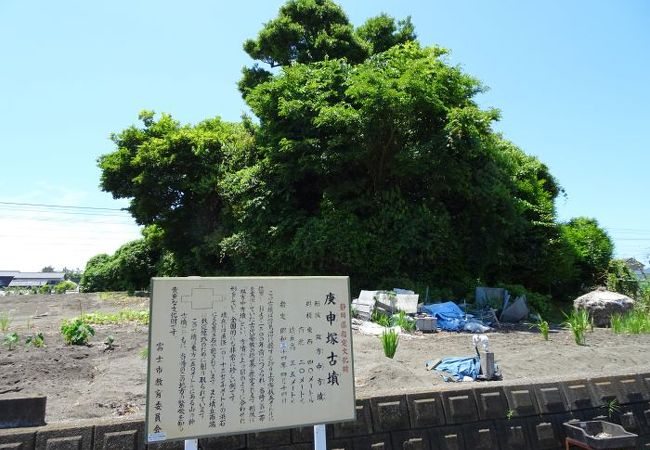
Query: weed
pixel 36 340
pixel 510 414
pixel 612 407
pixel 5 320
pixel 10 340
pixel 109 342
pixel 76 331
pixel 636 321
pixel 543 327
pixel 123 316
pixel 380 318
pixel 579 322
pixel 401 319
pixel 389 341
pixel 144 353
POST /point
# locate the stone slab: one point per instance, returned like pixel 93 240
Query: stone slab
pixel 550 398
pixel 65 438
pixel 579 395
pixel 447 438
pixel 521 400
pixel 17 412
pixel 481 436
pixel 17 439
pixel 361 426
pixel 119 435
pixel 513 434
pixel 491 403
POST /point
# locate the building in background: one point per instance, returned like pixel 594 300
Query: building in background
pixel 15 278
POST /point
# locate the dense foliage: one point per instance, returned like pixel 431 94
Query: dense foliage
pixel 369 157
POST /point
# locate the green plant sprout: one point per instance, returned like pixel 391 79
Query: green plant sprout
pixel 510 414
pixel 109 343
pixel 5 320
pixel 10 341
pixel 543 327
pixel 35 340
pixel 579 322
pixel 612 407
pixel 389 342
pixel 144 353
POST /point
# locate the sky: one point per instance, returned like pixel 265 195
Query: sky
pixel 571 80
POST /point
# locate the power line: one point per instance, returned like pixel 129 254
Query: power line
pixel 61 206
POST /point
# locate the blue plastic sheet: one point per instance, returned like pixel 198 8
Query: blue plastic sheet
pixel 459 367
pixel 449 316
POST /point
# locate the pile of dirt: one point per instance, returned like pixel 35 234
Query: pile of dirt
pixel 91 381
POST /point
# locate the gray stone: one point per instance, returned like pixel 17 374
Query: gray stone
pixel 18 412
pixel 601 304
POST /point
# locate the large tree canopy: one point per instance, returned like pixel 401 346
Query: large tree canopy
pixel 369 157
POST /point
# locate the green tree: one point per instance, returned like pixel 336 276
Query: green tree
pixel 171 174
pixel 592 249
pixel 369 157
pixel 47 269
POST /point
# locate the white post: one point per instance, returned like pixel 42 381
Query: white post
pixel 191 444
pixel 320 438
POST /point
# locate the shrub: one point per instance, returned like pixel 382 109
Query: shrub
pixel 64 286
pixel 389 341
pixel 620 278
pixel 76 331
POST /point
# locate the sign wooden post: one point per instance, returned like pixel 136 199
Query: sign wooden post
pixel 239 355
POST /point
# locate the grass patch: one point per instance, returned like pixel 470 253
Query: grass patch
pixel 636 321
pixel 401 320
pixel 122 316
pixel 5 320
pixel 389 341
pixel 578 322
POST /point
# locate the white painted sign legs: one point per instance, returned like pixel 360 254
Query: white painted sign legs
pixel 191 444
pixel 320 439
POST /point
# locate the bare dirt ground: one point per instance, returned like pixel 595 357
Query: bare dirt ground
pixel 88 381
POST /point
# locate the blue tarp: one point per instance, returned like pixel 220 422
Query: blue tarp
pixel 449 316
pixel 459 367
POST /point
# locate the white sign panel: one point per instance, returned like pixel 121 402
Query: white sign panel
pixel 235 355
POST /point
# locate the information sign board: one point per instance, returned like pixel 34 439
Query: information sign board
pixel 235 355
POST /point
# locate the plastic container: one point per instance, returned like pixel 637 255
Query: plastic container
pixel 600 434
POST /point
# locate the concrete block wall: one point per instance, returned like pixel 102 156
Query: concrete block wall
pixel 475 416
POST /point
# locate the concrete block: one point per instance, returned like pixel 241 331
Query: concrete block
pixel 550 398
pixel 361 426
pixel 544 432
pixel 447 438
pixel 390 413
pixel 644 379
pixel 294 447
pixel 380 441
pixel 491 403
pixel 411 440
pixel 339 444
pixel 65 438
pixel 632 389
pixel 605 389
pixel 171 445
pixel 481 436
pixel 425 410
pixel 17 439
pixel 119 435
pixel 266 439
pixel 303 435
pixel 521 400
pixel 643 416
pixel 459 406
pixel 513 434
pixel 233 442
pixel 579 395
pixel 629 416
pixel 16 412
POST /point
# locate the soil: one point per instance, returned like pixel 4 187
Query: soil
pixel 90 381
